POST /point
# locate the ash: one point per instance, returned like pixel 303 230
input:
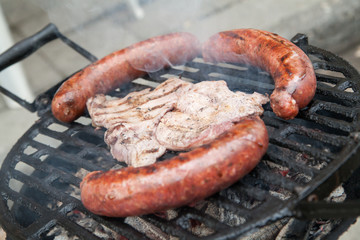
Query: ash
pixel 292 228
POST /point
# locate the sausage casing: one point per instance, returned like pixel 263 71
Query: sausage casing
pixel 178 181
pixel 289 66
pixel 120 67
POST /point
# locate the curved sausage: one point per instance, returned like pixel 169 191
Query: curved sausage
pixel 289 66
pixel 120 67
pixel 178 181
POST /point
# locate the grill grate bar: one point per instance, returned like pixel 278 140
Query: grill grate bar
pixel 87 129
pixel 272 191
pixel 68 205
pixel 35 183
pixel 328 66
pixel 70 129
pixel 269 204
pixel 75 228
pixel 52 171
pixel 106 162
pixel 44 218
pixel 192 213
pixel 331 122
pixel 252 188
pixel 337 96
pixel 322 79
pixel 278 137
pixel 332 139
pixel 272 178
pixel 63 221
pixel 341 65
pixel 301 148
pixel 289 160
pixel 47 223
pixel 70 140
pixel 24 201
pixel 347 111
pixel 340 85
pixel 69 157
pixel 345 84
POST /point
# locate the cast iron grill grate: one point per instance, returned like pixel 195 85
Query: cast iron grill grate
pixel 40 177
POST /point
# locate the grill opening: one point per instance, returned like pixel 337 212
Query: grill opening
pixel 41 175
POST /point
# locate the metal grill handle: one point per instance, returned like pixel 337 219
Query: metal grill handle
pixel 29 45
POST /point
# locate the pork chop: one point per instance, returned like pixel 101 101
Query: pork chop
pixel 176 115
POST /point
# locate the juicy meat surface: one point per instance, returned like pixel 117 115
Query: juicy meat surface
pixel 131 121
pixel 176 115
pixel 205 111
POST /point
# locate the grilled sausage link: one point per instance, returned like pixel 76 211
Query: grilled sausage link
pixel 120 67
pixel 178 181
pixel 289 66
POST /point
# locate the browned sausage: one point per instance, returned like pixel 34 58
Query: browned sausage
pixel 178 181
pixel 120 67
pixel 289 66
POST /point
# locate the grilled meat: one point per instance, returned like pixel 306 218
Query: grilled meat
pixel 176 115
pixel 132 120
pixel 203 112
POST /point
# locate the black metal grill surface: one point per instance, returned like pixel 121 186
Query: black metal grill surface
pixel 40 177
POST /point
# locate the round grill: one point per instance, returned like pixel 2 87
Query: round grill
pixel 40 177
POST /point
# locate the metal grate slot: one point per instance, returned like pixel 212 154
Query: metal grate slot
pixel 328 69
pixel 330 94
pixel 274 178
pixel 24 210
pixel 332 123
pixel 335 111
pixel 327 81
pixel 57 127
pixel 169 227
pixel 29 150
pixel 296 162
pixel 296 177
pixel 250 189
pixel 59 232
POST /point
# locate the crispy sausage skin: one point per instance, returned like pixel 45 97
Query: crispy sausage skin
pixel 120 67
pixel 289 66
pixel 178 181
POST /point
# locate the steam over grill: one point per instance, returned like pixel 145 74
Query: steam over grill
pixel 307 158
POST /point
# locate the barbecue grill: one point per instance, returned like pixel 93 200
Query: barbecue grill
pixel 307 158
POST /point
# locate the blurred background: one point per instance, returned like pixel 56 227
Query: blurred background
pixel 102 27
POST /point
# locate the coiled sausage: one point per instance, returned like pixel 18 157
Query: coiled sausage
pixel 289 66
